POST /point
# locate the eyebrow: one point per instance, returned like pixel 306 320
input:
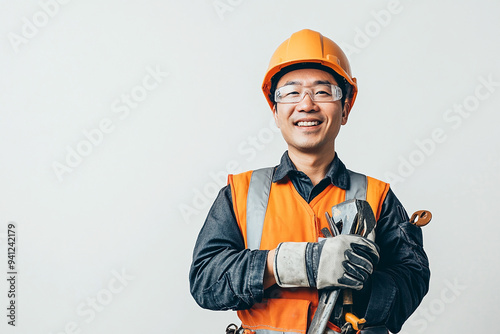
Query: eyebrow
pixel 317 82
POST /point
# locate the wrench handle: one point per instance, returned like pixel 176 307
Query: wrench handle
pixel 326 304
pixel 421 218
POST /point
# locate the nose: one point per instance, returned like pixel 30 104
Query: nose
pixel 307 104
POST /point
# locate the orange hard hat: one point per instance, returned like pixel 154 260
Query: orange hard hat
pixel 308 46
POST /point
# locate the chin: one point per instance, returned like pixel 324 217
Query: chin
pixel 308 148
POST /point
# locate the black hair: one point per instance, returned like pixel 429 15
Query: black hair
pixel 341 81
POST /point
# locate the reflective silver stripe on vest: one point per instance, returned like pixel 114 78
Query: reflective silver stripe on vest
pixel 258 196
pixel 358 186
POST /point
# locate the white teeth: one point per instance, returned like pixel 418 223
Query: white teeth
pixel 308 123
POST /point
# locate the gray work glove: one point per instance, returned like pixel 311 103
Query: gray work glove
pixel 344 261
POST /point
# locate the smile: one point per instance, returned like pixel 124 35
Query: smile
pixel 308 123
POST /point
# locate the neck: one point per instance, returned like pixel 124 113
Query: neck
pixel 315 166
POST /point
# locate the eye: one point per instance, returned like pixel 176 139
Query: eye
pixel 287 91
pixel 322 90
pixel 323 93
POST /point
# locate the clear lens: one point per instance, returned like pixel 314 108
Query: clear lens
pixel 318 93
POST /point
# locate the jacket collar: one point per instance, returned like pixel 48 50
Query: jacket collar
pixel 337 173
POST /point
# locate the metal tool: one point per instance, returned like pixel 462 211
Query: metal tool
pixel 331 223
pixel 356 216
pixel 366 224
pixel 326 232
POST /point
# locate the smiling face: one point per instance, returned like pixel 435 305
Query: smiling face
pixel 307 126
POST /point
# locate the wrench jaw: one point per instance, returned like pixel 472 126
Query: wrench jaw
pixel 366 222
pixel 356 216
pixel 346 212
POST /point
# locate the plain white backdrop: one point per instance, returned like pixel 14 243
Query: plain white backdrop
pixel 119 122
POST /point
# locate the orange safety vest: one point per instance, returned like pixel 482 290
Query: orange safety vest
pixel 288 217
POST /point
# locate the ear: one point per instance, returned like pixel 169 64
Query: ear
pixel 345 112
pixel 275 115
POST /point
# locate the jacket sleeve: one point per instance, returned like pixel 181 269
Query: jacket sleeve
pixel 224 275
pixel 401 279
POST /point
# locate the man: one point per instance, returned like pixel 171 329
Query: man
pixel 271 273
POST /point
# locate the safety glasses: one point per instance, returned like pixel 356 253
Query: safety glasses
pixel 317 93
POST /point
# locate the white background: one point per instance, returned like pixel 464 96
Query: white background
pixel 136 201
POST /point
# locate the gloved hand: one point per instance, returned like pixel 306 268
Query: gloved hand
pixel 344 261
